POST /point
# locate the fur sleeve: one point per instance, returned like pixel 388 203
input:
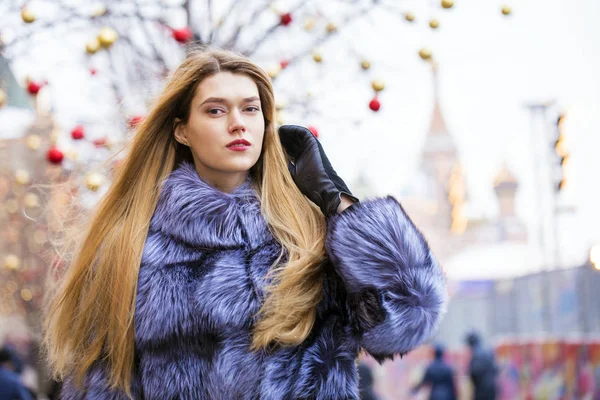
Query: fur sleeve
pixel 383 260
pixel 96 387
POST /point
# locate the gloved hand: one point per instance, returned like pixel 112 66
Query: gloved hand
pixel 311 170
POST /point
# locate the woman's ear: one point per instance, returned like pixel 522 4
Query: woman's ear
pixel 179 132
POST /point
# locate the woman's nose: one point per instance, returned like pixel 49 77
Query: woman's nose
pixel 237 122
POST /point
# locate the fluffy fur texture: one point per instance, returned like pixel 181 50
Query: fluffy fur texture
pixel 201 284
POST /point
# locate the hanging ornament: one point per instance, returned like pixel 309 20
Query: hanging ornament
pixel 107 37
pixel 284 63
pixel 101 142
pixel 12 262
pixel 22 177
pixel 33 87
pixel 92 46
pixel 26 294
pixel 365 64
pixel 98 10
pixel 434 23
pixel 183 35
pixel 314 131
pixel 33 142
pixel 31 200
pixel 78 132
pixel 3 98
pixel 331 27
pixel 273 71
pixel 54 155
pixel 377 85
pixel 27 15
pixel 135 121
pixel 317 56
pixel 54 135
pixel 375 105
pixel 447 3
pixel 309 24
pixel 285 19
pixel 409 16
pixel 93 181
pixel 506 10
pixel 425 53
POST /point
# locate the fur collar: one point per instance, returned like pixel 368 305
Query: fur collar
pixel 192 211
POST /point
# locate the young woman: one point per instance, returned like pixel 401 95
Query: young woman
pixel 229 261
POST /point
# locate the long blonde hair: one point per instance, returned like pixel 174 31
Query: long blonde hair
pixel 90 316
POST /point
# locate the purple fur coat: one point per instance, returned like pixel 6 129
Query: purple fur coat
pixel 201 283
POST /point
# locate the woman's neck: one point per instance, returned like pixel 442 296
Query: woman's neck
pixel 225 182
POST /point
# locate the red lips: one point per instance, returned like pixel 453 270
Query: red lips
pixel 239 142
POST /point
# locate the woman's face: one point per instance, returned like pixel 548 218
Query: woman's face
pixel 226 127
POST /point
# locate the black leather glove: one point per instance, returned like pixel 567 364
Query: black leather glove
pixel 311 170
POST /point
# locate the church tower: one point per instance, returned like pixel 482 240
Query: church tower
pixel 439 162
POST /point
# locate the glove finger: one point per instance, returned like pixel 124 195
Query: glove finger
pixel 294 139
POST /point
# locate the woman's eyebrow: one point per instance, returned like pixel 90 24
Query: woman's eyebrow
pixel 223 101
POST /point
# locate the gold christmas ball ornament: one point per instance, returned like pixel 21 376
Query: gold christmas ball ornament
pixel 98 10
pixel 506 10
pixel 378 85
pixel 40 237
pixel 434 23
pixel 365 64
pixel 317 56
pixel 22 177
pixel 309 24
pixel 33 142
pixel 447 3
pixel 3 98
pixel 425 53
pixel 12 262
pixel 273 71
pixel 26 294
pixel 331 27
pixel 31 200
pixel 93 181
pixel 410 17
pixel 107 37
pixel 92 46
pixel 27 15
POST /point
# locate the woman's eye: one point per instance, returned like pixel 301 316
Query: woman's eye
pixel 214 111
pixel 253 109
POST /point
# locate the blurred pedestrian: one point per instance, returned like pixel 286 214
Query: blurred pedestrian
pixel 365 382
pixel 439 376
pixel 11 387
pixel 482 369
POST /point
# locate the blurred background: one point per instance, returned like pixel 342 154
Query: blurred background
pixel 480 116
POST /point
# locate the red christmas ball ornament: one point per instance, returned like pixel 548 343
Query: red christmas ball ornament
pixel 78 132
pixel 54 155
pixel 375 105
pixel 93 71
pixel 135 121
pixel 313 130
pixel 284 63
pixel 33 87
pixel 101 142
pixel 182 35
pixel 285 19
